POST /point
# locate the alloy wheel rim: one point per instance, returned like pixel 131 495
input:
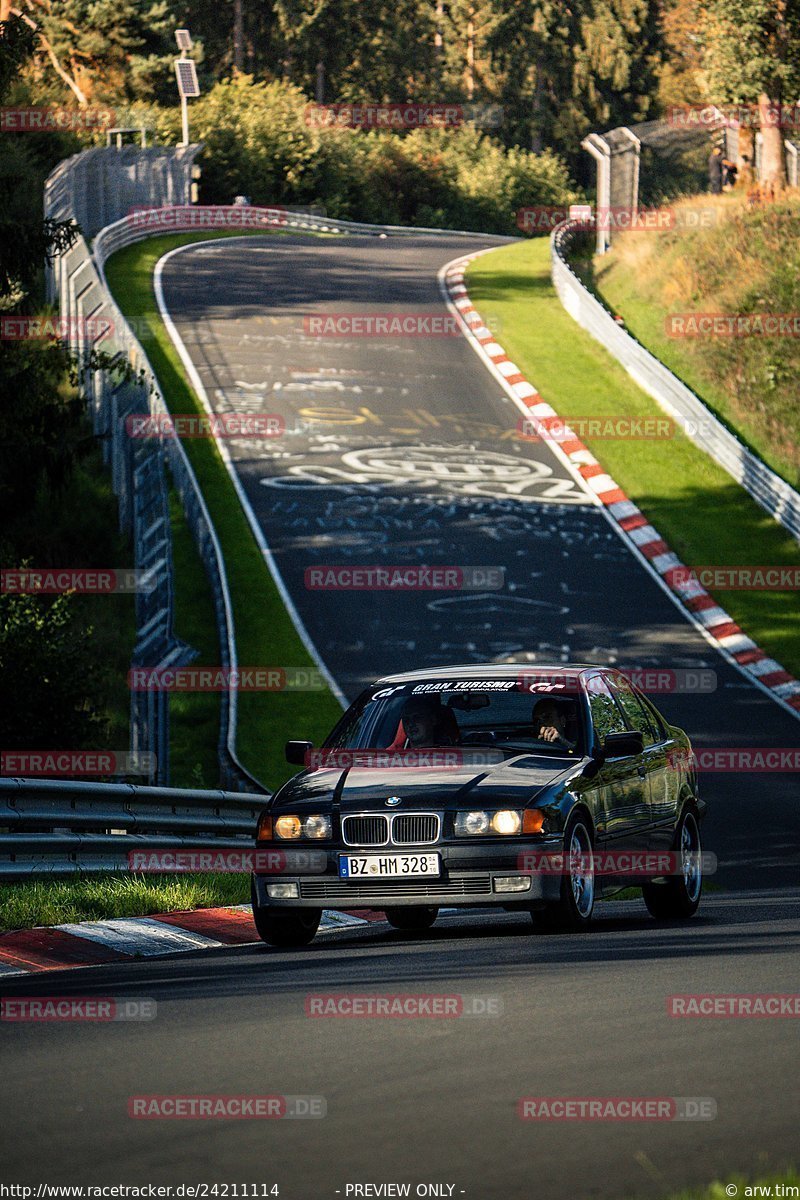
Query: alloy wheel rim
pixel 581 870
pixel 691 864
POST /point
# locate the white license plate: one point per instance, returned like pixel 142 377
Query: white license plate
pixel 387 866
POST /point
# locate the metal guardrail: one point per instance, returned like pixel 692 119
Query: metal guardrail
pixel 771 492
pixel 185 218
pixel 52 828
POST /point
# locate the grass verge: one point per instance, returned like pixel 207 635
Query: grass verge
pixel 62 901
pixel 265 635
pixel 702 513
pixel 745 261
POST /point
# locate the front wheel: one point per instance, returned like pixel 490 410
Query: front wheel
pixel 286 926
pixel 414 918
pixel 572 912
pixel 677 898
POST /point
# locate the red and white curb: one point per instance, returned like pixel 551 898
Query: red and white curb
pixel 93 943
pixel 698 605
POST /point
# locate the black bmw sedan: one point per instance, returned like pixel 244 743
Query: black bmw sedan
pixel 529 788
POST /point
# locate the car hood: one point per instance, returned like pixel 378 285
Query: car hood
pixel 515 781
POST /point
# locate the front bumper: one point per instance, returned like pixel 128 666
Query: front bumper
pixel 467 878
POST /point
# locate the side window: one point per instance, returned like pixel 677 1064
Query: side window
pixel 635 713
pixel 656 720
pixel 606 716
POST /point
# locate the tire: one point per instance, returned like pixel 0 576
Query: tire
pixel 286 926
pixel 572 912
pixel 678 897
pixel 416 918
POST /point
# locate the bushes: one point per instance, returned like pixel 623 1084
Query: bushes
pixel 257 142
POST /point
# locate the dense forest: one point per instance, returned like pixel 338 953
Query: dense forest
pixel 556 68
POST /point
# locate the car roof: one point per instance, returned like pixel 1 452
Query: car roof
pixel 493 671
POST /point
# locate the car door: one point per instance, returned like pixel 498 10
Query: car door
pixel 665 779
pixel 623 804
pixel 654 757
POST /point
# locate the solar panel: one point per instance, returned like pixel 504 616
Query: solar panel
pixel 184 39
pixel 187 77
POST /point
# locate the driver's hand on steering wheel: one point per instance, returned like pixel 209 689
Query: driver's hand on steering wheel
pixel 549 733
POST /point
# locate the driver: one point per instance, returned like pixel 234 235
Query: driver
pixel 424 721
pixel 550 723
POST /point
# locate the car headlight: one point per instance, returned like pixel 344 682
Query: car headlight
pixel 471 824
pixel 507 821
pixel 288 827
pixel 317 826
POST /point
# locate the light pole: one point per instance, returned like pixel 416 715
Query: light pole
pixel 186 74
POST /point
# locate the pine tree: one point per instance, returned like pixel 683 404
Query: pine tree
pixel 616 62
pixel 379 50
pixel 107 51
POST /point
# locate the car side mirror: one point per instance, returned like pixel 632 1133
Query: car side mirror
pixel 623 745
pixel 296 752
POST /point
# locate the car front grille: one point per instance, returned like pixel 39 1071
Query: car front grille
pixel 402 829
pixel 415 828
pixel 365 831
pixel 423 889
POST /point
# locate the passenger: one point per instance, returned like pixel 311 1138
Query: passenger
pixel 427 723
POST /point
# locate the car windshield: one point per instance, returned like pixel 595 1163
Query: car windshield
pixel 499 713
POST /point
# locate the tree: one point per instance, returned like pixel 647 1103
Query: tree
pixel 38 414
pixel 680 78
pixel 531 54
pixel 616 61
pixel 374 50
pixel 752 57
pixel 465 28
pixel 106 51
pixel 46 666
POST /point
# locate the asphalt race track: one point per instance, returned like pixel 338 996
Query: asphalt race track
pixel 424 1100
pixel 404 451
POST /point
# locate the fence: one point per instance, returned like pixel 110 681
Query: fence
pixel 770 491
pixel 100 186
pixel 671 155
pixel 646 163
pixel 94 322
pixel 51 828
